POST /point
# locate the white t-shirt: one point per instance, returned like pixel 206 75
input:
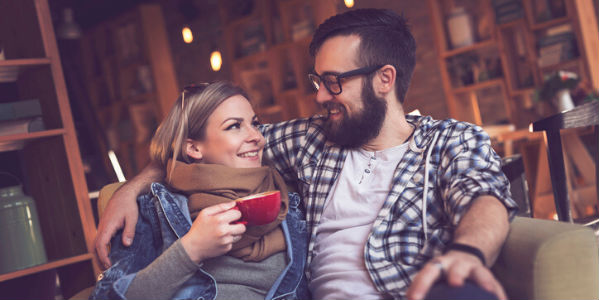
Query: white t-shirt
pixel 338 268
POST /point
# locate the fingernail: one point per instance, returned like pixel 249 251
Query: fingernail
pixel 128 241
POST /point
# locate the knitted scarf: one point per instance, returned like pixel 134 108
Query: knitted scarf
pixel 209 184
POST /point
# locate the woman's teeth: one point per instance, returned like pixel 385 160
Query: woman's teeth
pixel 249 154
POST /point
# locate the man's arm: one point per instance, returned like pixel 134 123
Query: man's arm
pixel 484 226
pixel 122 210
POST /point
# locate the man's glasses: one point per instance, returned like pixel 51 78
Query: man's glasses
pixel 332 81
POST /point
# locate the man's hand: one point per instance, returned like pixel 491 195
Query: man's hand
pixel 456 267
pixel 122 211
pixel 484 226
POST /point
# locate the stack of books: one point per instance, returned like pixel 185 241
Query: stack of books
pixel 507 10
pixel 253 40
pixel 21 117
pixel 558 44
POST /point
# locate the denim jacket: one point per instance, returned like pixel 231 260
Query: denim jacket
pixel 164 218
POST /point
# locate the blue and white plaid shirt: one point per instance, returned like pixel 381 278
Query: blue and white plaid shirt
pixel 462 167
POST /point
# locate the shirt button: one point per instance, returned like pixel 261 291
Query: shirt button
pixel 367 171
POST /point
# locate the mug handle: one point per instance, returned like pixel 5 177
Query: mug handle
pixel 239 222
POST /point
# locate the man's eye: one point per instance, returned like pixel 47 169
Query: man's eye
pixel 236 125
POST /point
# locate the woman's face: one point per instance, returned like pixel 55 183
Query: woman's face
pixel 232 137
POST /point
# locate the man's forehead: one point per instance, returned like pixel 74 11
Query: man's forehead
pixel 337 54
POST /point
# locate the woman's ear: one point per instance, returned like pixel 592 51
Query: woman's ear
pixel 193 149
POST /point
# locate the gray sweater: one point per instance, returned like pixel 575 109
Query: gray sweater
pixel 235 278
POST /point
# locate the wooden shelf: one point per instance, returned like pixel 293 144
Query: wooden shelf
pixel 282 58
pixel 47 266
pixel 550 23
pixel 115 86
pixel 48 162
pixel 24 62
pixel 561 65
pixel 10 69
pixel 32 135
pixel 477 46
pixel 524 91
pixel 478 86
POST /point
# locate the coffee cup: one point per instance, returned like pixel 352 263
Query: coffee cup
pixel 259 209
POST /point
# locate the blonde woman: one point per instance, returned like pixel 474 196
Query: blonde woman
pixel 188 244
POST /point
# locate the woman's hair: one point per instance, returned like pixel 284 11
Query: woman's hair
pixel 187 119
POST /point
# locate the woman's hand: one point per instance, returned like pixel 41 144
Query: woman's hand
pixel 212 233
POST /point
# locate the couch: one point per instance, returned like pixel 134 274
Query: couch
pixel 540 259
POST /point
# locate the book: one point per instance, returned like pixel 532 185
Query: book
pixel 21 126
pixel 20 109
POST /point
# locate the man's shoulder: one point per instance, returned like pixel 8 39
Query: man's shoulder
pixel 429 126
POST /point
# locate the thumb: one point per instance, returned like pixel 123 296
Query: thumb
pixel 129 230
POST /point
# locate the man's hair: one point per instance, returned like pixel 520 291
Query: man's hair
pixel 385 39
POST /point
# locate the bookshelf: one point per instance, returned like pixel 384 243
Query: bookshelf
pixel 47 162
pixel 131 82
pixel 492 81
pixel 267 48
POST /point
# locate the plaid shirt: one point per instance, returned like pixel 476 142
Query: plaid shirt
pixel 462 167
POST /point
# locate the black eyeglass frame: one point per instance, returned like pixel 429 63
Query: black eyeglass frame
pixel 318 79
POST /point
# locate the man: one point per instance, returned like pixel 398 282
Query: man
pixel 393 202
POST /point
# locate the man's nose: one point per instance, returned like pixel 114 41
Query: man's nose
pixel 323 95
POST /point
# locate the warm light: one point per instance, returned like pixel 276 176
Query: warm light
pixel 187 35
pixel 216 60
pixel 349 3
pixel 116 166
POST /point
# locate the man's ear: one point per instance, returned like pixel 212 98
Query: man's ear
pixel 193 149
pixel 385 79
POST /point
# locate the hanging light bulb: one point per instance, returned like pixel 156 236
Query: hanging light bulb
pixel 68 29
pixel 349 3
pixel 187 35
pixel 216 60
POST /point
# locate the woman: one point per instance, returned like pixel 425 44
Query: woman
pixel 212 151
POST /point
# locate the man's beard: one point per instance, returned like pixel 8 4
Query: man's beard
pixel 363 126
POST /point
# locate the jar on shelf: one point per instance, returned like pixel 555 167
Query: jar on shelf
pixel 22 245
pixel 459 26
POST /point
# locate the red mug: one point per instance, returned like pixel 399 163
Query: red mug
pixel 259 209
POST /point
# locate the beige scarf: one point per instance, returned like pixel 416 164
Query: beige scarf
pixel 208 184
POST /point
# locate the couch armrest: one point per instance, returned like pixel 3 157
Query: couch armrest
pixel 105 195
pixel 544 259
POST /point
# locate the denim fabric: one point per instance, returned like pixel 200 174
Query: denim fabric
pixel 163 218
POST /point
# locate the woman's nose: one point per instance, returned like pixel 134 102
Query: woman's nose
pixel 254 135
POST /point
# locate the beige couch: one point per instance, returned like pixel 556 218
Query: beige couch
pixel 540 260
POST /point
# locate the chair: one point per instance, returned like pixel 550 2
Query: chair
pixel 540 259
pixel 513 168
pixel 580 116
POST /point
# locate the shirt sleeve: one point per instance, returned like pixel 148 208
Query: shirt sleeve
pixel 163 277
pixel 471 168
pixel 284 145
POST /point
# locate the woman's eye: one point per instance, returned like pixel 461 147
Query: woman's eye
pixel 236 125
pixel 256 123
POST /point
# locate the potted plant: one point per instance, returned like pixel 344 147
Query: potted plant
pixel 557 87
